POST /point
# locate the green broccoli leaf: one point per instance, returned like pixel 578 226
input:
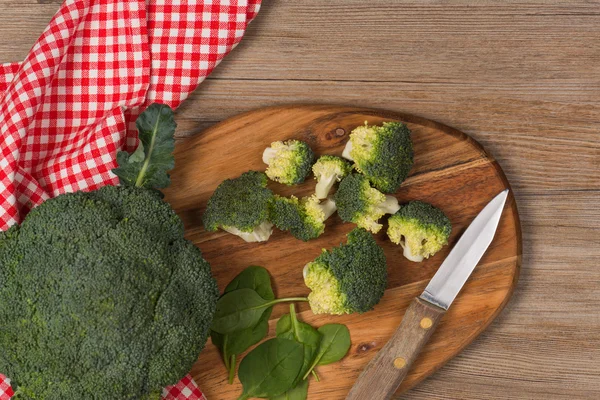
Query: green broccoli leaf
pixel 147 166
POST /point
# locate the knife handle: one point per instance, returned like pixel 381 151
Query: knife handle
pixel 385 372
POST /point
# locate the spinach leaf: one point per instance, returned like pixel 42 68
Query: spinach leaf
pixel 334 345
pixel 242 309
pixel 300 392
pixel 253 277
pixel 237 342
pixel 237 310
pixel 288 327
pixel 258 279
pixel 147 167
pixel 271 368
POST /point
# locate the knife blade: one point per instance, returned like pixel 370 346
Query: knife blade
pixel 389 367
pixel 464 257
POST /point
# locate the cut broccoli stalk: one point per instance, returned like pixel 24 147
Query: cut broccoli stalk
pixel 328 207
pixel 389 206
pixel 384 154
pixel 347 152
pixel 358 202
pixel 268 155
pixel 288 162
pixel 328 170
pixel 304 219
pixel 410 253
pixel 349 278
pixel 241 206
pixel 420 228
pixel 324 185
pixel 259 234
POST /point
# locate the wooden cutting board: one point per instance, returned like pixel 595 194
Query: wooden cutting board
pixel 451 171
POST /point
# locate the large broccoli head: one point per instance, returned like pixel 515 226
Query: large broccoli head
pixel 101 297
pixel 305 218
pixel 358 202
pixel 288 162
pixel 346 279
pixel 420 228
pixel 241 206
pixel 383 153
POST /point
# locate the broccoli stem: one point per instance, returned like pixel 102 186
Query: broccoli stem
pixel 324 185
pixel 328 207
pixel 260 234
pixel 390 205
pixel 268 155
pixel 305 271
pixel 232 369
pixel 347 151
pixel 408 253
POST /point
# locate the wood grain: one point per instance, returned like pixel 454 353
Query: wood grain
pixel 451 171
pixel 521 77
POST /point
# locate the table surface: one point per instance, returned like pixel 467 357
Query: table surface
pixel 521 78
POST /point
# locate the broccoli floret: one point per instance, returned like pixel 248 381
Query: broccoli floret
pixel 288 162
pixel 305 218
pixel 384 154
pixel 358 202
pixel 101 297
pixel 240 206
pixel 420 228
pixel 328 170
pixel 346 279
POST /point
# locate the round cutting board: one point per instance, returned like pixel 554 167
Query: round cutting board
pixel 451 171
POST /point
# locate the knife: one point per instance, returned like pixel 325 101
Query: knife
pixel 385 372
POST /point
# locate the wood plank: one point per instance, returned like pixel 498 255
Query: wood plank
pixel 21 24
pixel 462 42
pixel 545 344
pixel 522 132
pixel 451 171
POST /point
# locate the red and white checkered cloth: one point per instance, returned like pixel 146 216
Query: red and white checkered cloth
pixel 72 103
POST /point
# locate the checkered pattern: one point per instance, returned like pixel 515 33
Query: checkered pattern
pixel 5 389
pixel 71 104
pixel 186 389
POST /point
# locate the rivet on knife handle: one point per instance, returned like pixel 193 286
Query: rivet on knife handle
pixel 381 377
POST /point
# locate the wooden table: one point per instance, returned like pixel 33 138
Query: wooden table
pixel 523 79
